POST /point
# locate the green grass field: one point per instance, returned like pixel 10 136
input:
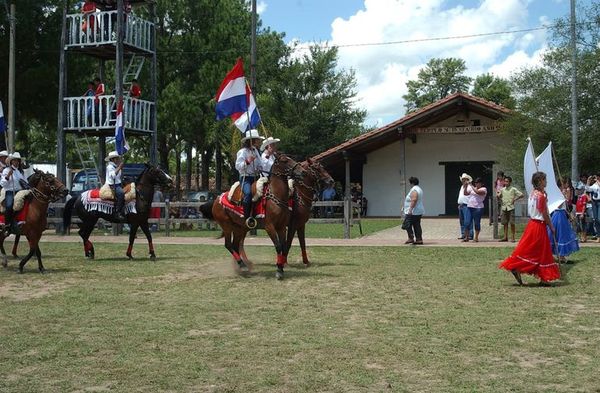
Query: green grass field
pixel 359 320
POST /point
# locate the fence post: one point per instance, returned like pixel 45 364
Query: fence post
pixel 167 216
pixel 495 213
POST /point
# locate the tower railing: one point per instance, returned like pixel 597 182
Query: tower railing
pixel 100 28
pixel 85 113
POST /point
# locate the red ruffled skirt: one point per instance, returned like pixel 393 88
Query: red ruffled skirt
pixel 533 254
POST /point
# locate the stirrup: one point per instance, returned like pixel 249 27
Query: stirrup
pixel 251 222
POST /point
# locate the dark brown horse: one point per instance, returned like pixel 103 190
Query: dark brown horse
pixel 45 188
pixel 304 191
pixel 276 215
pixel 150 177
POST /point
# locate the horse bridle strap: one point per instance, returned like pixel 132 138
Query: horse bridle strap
pixel 271 196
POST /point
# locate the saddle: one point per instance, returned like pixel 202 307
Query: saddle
pixel 235 194
pixel 107 194
pixel 19 202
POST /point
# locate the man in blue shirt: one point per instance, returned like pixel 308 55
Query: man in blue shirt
pixel 329 195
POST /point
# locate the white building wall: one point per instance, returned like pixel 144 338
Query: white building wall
pixel 384 173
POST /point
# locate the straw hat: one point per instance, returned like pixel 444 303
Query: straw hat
pixel 4 153
pixel 269 141
pixel 465 176
pixel 252 134
pixel 111 155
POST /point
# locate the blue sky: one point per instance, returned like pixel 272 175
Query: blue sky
pixel 382 71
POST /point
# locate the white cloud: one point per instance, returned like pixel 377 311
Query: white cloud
pixel 383 70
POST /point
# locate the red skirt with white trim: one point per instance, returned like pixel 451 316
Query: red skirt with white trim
pixel 533 254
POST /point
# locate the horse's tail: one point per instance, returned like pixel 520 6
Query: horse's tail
pixel 206 210
pixel 68 212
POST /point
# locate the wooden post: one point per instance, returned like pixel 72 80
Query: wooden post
pixel 153 93
pixel 347 197
pixel 61 145
pixel 167 216
pixel 494 211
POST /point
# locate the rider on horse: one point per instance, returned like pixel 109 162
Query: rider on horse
pixel 3 157
pixel 12 181
pixel 269 147
pixel 249 164
pixel 113 179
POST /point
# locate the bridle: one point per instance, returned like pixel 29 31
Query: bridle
pixel 53 195
pixel 138 185
pixel 289 172
pixel 301 197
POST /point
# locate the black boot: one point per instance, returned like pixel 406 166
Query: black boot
pixel 8 221
pixel 250 221
pixel 118 213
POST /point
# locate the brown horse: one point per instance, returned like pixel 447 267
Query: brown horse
pixel 276 215
pixel 46 188
pixel 304 190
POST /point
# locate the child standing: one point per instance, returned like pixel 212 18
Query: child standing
pixel 580 214
pixel 533 254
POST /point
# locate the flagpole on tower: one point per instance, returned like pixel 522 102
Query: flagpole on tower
pixel 253 49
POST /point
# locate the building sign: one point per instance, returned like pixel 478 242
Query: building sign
pixel 457 130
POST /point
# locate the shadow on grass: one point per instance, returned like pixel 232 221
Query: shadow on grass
pixel 34 270
pixel 289 274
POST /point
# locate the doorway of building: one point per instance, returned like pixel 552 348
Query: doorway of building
pixel 475 169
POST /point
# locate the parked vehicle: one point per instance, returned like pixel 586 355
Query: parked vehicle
pixel 200 196
pixel 87 179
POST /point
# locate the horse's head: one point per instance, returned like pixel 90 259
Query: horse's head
pixel 48 185
pixel 319 173
pixel 157 176
pixel 285 167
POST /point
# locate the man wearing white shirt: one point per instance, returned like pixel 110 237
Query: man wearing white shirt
pixel 113 179
pixel 593 187
pixel 249 164
pixel 12 181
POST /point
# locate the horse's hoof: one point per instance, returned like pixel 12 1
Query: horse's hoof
pixel 129 256
pixel 307 263
pixel 152 257
pixel 42 271
pixel 242 267
pixel 15 256
pixel 279 273
pixel 20 271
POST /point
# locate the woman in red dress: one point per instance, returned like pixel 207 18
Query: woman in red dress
pixel 533 254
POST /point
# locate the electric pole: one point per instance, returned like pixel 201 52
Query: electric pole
pixel 574 128
pixel 11 79
pixel 253 49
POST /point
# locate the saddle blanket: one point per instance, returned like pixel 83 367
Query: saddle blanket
pixel 259 207
pixel 20 216
pixel 92 202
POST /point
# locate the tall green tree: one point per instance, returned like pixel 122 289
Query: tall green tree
pixel 310 103
pixel 494 89
pixel 438 79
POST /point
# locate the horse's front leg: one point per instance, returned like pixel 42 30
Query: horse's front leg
pixel 4 257
pixel 302 240
pixel 15 246
pixel 38 253
pixel 148 234
pixel 32 250
pixel 132 232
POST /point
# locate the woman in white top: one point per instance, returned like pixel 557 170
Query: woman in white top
pixel 413 211
pixel 269 147
pixel 593 187
pixel 476 193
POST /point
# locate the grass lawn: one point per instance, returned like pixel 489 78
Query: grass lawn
pixel 359 320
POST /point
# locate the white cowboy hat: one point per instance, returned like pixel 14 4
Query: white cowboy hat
pixel 464 175
pixel 111 155
pixel 252 134
pixel 269 141
pixel 15 156
pixel 4 153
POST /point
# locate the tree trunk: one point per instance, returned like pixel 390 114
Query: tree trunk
pixel 218 168
pixel 178 172
pixel 197 175
pixel 206 158
pixel 188 167
pixel 163 152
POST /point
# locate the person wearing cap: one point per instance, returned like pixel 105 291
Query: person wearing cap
pixel 249 164
pixel 3 157
pixel 269 147
pixel 12 181
pixel 463 210
pixel 113 180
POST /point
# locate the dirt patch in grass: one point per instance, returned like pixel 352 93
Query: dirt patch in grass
pixel 21 291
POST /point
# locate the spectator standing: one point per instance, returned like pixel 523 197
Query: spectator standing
pixel 476 193
pixel 155 212
pixel 508 196
pixel 498 186
pixel 593 187
pixel 580 214
pixel 413 211
pixel 135 92
pixel 98 91
pixel 328 194
pixel 463 200
pixel 89 102
pixel 89 21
